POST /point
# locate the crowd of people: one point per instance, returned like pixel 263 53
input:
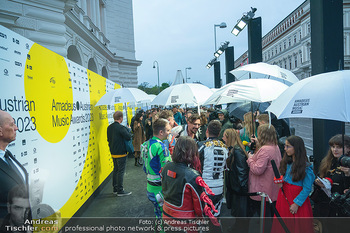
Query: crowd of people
pixel 196 162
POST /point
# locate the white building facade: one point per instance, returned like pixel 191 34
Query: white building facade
pixel 96 34
pixel 288 44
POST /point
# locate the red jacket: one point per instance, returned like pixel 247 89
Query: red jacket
pixel 181 195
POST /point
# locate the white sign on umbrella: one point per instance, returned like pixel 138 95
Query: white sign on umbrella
pixel 256 90
pixel 263 70
pixel 187 93
pixel 323 96
pixel 123 95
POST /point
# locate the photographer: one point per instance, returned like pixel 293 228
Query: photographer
pixel 337 175
pixel 261 173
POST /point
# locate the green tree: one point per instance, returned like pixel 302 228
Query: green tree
pixel 145 86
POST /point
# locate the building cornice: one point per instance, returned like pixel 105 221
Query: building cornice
pixel 284 27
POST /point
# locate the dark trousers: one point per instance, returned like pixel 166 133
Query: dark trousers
pixel 118 173
pixel 217 201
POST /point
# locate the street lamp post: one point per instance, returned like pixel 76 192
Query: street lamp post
pixel 221 25
pixel 155 62
pixel 187 68
pixel 254 34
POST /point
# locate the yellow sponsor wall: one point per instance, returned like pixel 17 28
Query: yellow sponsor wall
pixel 62 136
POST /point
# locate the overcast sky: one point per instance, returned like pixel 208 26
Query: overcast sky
pixel 180 34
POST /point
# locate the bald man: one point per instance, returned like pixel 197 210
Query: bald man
pixel 12 173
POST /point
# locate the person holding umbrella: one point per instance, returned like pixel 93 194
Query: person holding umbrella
pixel 261 175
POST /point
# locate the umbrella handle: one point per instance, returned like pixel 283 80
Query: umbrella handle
pixel 251 106
pixel 126 114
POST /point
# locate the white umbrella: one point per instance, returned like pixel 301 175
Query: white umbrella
pixel 123 95
pixel 264 70
pixel 323 96
pixel 256 90
pixel 142 103
pixel 187 93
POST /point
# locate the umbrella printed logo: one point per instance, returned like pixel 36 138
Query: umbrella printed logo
pixel 174 99
pixel 283 75
pixel 298 105
pixel 117 99
pixel 232 92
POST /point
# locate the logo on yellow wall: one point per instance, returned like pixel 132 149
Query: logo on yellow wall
pixel 50 87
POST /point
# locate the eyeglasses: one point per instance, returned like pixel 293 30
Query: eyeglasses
pixel 288 146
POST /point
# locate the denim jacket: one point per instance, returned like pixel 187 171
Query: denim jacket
pixel 306 183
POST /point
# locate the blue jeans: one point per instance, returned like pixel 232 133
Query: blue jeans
pixel 118 173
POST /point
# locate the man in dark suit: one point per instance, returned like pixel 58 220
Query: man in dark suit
pixel 12 173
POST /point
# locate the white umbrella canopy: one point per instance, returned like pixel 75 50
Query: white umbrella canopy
pixel 123 95
pixel 264 70
pixel 323 96
pixel 186 93
pixel 256 90
pixel 143 103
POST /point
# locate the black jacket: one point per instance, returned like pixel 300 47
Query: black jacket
pixel 236 180
pixel 238 171
pixel 116 135
pixel 181 192
pixel 322 207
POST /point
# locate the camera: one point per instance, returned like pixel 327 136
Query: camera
pixel 253 144
pixel 344 160
pixel 342 202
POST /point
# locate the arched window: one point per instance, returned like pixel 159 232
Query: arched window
pixel 92 65
pixel 104 72
pixel 73 54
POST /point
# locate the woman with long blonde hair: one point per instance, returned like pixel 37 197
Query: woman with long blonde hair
pixel 236 178
pixel 248 130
